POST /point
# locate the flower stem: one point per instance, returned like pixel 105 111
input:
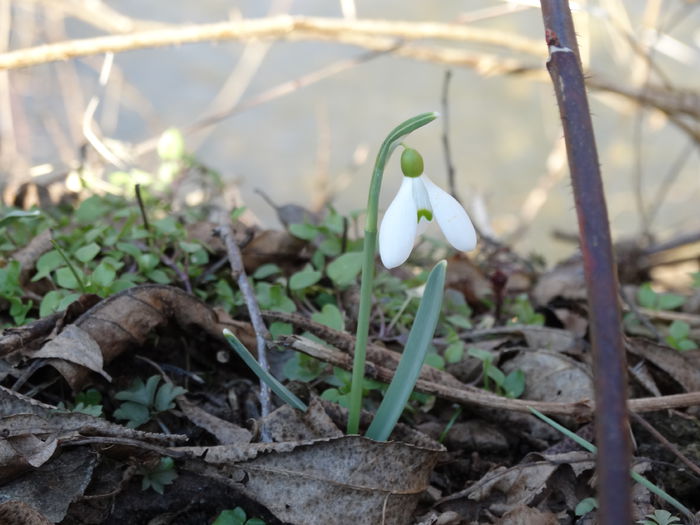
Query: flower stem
pixel 370 248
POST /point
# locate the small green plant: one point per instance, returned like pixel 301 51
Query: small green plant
pixel 157 478
pixel 585 506
pixel 524 313
pixel 511 385
pixel 341 382
pixel 659 517
pixel 648 298
pixel 678 338
pixel 87 402
pixel 236 516
pixel 696 279
pixel 144 401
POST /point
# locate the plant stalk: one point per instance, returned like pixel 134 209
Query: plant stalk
pixel 612 427
pixel 370 249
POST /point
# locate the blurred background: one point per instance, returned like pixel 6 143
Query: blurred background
pixel 300 115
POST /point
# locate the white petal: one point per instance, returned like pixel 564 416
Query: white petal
pixel 451 217
pixel 397 233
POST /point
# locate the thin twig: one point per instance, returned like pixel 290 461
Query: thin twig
pixel 261 333
pixel 445 135
pixel 139 199
pixel 609 367
pixel 665 442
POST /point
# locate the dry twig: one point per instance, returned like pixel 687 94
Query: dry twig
pixel 261 333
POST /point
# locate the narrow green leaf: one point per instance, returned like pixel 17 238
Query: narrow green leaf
pixel 277 387
pixel 590 447
pixel 413 356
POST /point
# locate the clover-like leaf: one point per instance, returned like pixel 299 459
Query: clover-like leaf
pixel 136 414
pixel 166 395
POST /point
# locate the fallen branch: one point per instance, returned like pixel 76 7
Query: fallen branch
pixel 456 391
pixel 261 333
pixel 279 27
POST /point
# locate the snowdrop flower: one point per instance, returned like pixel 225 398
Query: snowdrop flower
pixel 416 204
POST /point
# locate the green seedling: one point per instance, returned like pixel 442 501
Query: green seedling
pixel 87 402
pixel 524 313
pixel 648 298
pixel 142 401
pixel 659 517
pixel 678 336
pixel 585 506
pixel 511 385
pixel 157 478
pixel 236 516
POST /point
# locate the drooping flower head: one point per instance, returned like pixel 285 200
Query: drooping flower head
pixel 417 203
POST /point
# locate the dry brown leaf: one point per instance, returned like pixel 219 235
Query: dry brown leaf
pixel 681 366
pixel 19 513
pixel 75 346
pixel 349 479
pixel 566 281
pixel 273 246
pixel 541 337
pixel 288 424
pixel 127 319
pixel 20 453
pixel 551 376
pixel 505 489
pixel 53 487
pixel 524 515
pixel 22 415
pixel 224 431
pixel 337 480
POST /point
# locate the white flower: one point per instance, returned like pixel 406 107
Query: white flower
pixel 417 203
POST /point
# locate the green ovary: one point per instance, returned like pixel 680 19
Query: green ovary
pixel 425 213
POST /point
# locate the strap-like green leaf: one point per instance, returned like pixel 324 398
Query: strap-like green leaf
pixel 277 387
pixel 590 447
pixel 413 356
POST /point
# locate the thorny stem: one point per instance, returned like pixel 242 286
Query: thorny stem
pixel 261 332
pixel 564 66
pixel 370 249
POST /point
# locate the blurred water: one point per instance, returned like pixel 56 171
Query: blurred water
pixel 502 128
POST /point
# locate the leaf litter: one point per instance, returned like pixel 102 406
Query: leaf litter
pixel 465 454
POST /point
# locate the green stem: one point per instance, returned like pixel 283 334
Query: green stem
pixel 370 247
pixel 72 269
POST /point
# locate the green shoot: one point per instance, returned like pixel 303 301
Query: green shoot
pixel 590 447
pixel 414 353
pixel 156 478
pixel 277 387
pixel 143 401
